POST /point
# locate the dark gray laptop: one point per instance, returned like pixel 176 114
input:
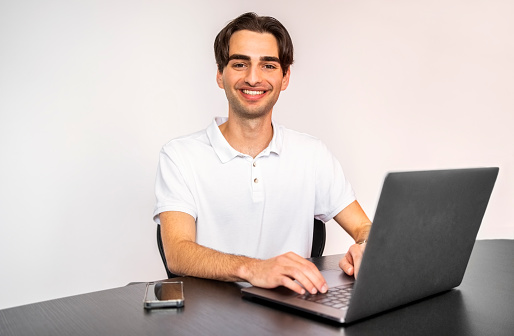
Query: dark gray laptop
pixel 424 229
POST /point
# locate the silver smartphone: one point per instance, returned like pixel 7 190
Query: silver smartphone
pixel 164 294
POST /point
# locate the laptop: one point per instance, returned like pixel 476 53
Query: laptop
pixel 424 229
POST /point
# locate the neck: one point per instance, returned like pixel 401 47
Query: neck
pixel 248 136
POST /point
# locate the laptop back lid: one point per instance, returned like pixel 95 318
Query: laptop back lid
pixel 424 229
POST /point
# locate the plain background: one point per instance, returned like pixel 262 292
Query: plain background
pixel 91 90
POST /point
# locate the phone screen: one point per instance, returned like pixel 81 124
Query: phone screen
pixel 168 291
pixel 164 294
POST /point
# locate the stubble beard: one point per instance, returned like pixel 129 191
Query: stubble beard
pixel 249 112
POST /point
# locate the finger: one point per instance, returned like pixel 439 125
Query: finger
pixel 292 285
pixel 315 277
pixel 346 263
pixel 302 279
pixel 307 274
pixel 357 259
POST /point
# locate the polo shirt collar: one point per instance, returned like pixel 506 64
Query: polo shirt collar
pixel 275 146
pixel 226 153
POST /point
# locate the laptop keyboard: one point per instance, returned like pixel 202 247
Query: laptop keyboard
pixel 335 297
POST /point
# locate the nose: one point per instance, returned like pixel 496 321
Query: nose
pixel 253 75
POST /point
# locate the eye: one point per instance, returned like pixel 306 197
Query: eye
pixel 239 65
pixel 270 66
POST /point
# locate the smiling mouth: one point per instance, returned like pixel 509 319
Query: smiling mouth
pixel 253 93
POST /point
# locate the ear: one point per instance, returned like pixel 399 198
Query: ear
pixel 219 79
pixel 285 80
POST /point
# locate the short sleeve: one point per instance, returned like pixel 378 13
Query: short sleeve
pixel 172 191
pixel 333 191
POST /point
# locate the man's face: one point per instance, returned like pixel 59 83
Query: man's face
pixel 253 78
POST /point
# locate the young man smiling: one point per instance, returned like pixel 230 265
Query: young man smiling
pixel 236 201
pixel 252 80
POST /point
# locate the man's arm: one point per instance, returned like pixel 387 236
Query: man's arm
pixel 186 257
pixel 354 221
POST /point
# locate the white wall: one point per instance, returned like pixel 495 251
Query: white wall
pixel 90 91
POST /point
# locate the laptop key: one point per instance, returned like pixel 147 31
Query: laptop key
pixel 336 297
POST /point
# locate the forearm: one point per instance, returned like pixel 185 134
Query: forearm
pixel 192 259
pixel 362 232
pixel 354 221
pixel 186 257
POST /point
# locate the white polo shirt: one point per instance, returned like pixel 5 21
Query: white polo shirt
pixel 258 207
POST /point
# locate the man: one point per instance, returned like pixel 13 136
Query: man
pixel 236 201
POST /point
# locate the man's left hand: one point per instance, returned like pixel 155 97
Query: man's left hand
pixel 351 261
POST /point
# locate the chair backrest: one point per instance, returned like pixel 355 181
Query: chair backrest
pixel 161 251
pixel 319 236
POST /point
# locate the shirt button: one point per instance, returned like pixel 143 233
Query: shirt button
pixel 256 180
pixel 255 164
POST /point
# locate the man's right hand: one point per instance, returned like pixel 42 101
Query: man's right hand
pixel 282 271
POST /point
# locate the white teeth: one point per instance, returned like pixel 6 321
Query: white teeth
pixel 248 92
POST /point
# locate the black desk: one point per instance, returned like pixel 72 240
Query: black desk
pixel 482 305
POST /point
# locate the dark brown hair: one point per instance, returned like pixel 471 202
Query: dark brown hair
pixel 258 24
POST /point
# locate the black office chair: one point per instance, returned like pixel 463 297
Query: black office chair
pixel 319 236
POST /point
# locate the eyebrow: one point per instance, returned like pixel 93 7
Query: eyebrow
pixel 247 58
pixel 270 59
